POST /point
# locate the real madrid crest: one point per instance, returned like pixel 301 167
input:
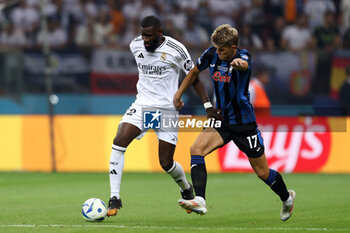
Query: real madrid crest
pixel 163 57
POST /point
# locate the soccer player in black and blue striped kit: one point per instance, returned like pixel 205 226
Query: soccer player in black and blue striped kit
pixel 230 69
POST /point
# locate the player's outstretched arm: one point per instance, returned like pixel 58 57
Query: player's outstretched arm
pixel 190 78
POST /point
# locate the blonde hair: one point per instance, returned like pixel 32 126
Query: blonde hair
pixel 224 36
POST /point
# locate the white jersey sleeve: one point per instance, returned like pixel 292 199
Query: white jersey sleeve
pixel 183 58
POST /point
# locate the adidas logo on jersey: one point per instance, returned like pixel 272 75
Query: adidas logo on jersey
pixel 140 56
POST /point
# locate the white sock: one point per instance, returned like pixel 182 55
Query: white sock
pixel 178 174
pixel 116 165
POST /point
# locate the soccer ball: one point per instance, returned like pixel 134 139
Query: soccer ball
pixel 94 210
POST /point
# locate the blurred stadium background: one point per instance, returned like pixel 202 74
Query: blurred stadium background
pixel 67 76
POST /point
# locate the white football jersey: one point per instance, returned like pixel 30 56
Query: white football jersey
pixel 159 71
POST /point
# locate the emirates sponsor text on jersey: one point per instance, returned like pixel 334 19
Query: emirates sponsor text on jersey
pixel 150 69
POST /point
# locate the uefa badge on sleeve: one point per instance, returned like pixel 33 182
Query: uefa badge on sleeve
pixel 152 119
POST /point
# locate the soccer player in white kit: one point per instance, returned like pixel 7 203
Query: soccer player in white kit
pixel 160 60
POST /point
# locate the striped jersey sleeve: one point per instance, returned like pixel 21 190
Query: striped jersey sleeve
pixel 182 55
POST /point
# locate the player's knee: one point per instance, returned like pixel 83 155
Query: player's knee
pixel 119 140
pixel 263 175
pixel 166 164
pixel 196 150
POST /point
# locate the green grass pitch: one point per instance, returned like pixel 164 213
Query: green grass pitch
pixel 51 202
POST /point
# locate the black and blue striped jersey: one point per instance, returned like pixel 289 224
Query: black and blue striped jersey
pixel 231 86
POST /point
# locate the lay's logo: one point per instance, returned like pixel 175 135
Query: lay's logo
pixel 291 145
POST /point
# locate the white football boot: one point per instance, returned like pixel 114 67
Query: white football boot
pixel 288 205
pixel 196 205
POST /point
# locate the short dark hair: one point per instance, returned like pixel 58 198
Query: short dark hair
pixel 151 21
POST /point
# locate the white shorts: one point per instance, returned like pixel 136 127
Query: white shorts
pixel 138 115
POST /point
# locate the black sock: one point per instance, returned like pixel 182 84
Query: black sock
pixel 276 183
pixel 198 175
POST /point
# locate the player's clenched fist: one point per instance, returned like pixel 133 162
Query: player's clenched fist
pixel 214 113
pixel 178 103
pixel 239 64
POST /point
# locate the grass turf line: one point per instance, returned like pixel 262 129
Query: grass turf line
pixel 31 202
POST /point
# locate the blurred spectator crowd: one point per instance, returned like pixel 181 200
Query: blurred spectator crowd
pixel 268 25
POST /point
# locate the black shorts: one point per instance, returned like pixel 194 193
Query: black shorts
pixel 247 138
